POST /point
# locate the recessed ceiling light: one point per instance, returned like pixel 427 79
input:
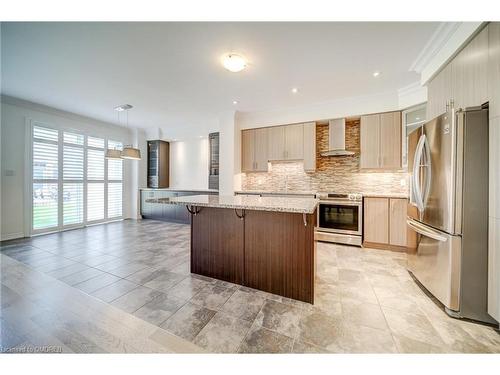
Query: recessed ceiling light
pixel 376 74
pixel 234 62
pixel 295 90
pixel 235 102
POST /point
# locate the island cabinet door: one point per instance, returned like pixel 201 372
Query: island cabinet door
pixel 217 244
pixel 279 254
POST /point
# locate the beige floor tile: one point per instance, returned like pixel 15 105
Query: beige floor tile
pixel 280 317
pixel 363 313
pixel 262 340
pixel 415 326
pixel 212 296
pixel 188 321
pixel 244 304
pixel 223 334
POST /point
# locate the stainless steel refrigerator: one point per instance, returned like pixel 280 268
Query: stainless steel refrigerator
pixel 448 213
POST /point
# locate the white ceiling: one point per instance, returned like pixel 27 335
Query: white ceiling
pixel 171 72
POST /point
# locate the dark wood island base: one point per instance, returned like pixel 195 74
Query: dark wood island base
pixel 267 250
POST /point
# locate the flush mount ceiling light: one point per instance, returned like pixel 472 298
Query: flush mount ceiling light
pixel 295 90
pixel 234 62
pixel 376 74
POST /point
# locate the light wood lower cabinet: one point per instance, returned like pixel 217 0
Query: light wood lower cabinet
pixel 385 223
pixel 397 222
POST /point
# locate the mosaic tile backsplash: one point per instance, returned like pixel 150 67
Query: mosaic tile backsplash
pixel 334 173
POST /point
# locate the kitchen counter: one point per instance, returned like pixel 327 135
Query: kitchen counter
pixel 265 243
pixel 245 202
pixel 182 190
pixel 386 195
pixel 264 192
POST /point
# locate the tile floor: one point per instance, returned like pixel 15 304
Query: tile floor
pixel 366 302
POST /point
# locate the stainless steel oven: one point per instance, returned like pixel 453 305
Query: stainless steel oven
pixel 340 218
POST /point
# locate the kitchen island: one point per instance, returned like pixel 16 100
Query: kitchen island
pixel 266 243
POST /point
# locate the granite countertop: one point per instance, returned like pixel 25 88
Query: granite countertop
pixel 245 202
pixel 177 189
pixel 275 192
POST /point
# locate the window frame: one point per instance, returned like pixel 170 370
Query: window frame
pixel 29 224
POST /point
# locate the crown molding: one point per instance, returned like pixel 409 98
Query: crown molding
pixel 443 45
pixel 442 34
pixel 7 99
pixel 412 95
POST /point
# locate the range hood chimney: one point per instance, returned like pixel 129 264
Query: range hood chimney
pixel 336 139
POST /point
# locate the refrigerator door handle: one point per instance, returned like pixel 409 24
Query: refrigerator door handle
pixel 425 231
pixel 416 174
pixel 428 175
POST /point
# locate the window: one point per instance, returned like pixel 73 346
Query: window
pixel 95 179
pixel 72 179
pixel 73 184
pixel 115 183
pixel 45 178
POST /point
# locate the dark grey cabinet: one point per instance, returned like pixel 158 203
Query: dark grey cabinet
pixel 158 164
pixel 166 212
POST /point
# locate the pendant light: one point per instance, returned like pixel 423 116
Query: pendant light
pixel 115 153
pixel 129 151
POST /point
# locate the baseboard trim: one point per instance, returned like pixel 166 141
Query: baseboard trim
pixel 385 246
pixel 11 236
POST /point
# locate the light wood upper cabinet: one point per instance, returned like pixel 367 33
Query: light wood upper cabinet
pixel 494 69
pixel 254 150
pixel 294 142
pixel 288 142
pixel 247 150
pixel 376 220
pixel 397 229
pixel 390 140
pixel 276 143
pixel 310 146
pixel 370 141
pixel 464 80
pixel 380 137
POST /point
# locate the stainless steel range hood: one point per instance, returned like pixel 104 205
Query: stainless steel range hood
pixel 336 139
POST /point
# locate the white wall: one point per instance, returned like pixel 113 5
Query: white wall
pixel 229 154
pixel 14 116
pixel 346 107
pixel 189 164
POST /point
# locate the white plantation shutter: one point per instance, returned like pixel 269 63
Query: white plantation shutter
pixel 72 203
pixel 73 178
pixel 73 183
pixel 95 201
pixel 45 175
pixel 95 178
pixel 95 165
pixel 114 199
pixel 73 163
pixel 115 185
